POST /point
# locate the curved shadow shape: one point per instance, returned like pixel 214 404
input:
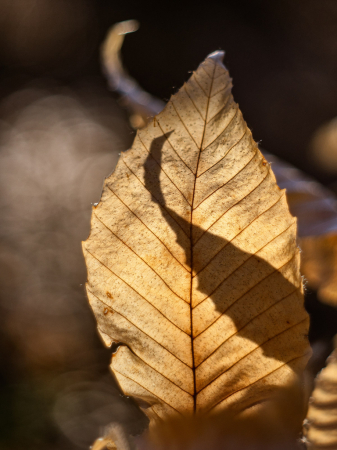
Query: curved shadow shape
pixel 240 309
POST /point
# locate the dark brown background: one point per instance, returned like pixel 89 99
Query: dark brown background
pixel 60 134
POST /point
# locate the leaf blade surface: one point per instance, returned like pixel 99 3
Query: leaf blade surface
pixel 193 255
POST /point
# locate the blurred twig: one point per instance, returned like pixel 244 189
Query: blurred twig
pixel 140 104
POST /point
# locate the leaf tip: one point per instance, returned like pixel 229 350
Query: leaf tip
pixel 217 56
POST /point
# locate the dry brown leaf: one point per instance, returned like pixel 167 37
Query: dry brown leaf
pixel 193 264
pixel 320 428
pixel 314 206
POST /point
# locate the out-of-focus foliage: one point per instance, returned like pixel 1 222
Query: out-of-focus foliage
pixel 314 206
pixel 324 147
pixel 319 266
pixel 141 105
pixel 316 210
pixel 56 147
pixel 115 438
pixel 320 428
pixel 273 429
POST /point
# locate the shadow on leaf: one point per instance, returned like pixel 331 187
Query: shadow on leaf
pixel 264 311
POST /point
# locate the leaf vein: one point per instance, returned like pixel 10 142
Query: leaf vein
pixel 251 320
pixel 146 390
pixel 181 120
pixel 223 185
pixel 191 255
pixel 140 295
pixel 126 318
pixel 202 89
pixel 220 110
pixel 264 376
pixel 147 227
pixel 224 156
pixel 239 298
pixel 251 256
pixel 134 252
pixel 222 89
pixel 195 106
pixel 243 229
pixel 163 170
pixel 168 140
pixel 205 71
pixel 252 351
pixel 231 120
pixel 163 206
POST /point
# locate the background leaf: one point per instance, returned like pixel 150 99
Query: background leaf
pixel 321 424
pixel 316 210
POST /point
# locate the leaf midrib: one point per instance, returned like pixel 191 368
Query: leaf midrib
pixel 191 240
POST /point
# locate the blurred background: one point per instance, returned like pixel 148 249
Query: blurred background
pixel 61 129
